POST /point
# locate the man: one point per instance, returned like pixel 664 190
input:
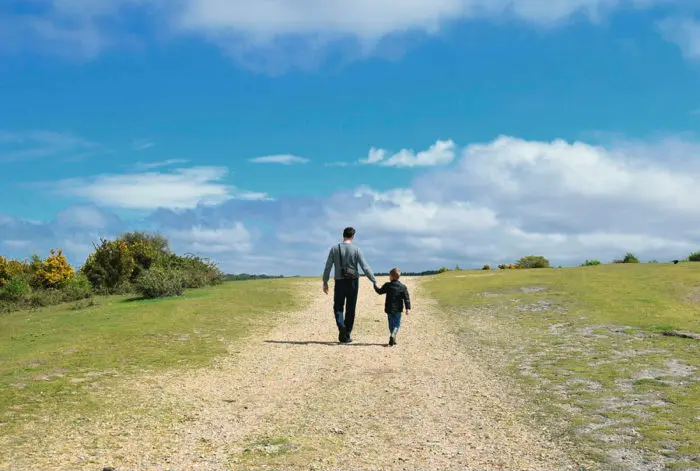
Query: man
pixel 346 257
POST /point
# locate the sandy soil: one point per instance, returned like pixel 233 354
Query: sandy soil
pixel 293 398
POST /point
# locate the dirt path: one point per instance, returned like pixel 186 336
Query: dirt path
pixel 295 399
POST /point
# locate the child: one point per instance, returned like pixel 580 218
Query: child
pixel 396 298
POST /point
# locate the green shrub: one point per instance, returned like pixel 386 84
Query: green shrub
pixel 146 249
pixel 533 261
pixel 443 270
pixel 15 290
pixel 196 272
pixel 590 263
pixel 630 258
pixel 109 267
pixel 694 257
pixel 159 282
pixel 76 289
pixel 43 297
pixel 486 267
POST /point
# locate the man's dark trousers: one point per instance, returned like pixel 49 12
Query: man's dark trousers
pixel 345 295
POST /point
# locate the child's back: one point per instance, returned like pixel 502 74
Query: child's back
pixel 397 298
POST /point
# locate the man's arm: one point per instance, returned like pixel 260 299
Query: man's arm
pixel 327 269
pixel 365 267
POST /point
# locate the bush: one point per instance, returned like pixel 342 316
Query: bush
pixel 590 263
pixel 159 282
pixel 629 258
pixel 533 261
pixel 11 268
pixel 53 271
pixel 146 249
pixel 109 267
pixel 443 270
pixel 196 272
pixel 76 289
pixel 15 290
pixel 486 267
pixel 694 257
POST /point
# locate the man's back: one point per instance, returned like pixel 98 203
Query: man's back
pixel 351 257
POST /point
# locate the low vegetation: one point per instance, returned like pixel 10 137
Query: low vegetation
pixel 588 350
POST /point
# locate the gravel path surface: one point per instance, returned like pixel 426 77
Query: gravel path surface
pixel 293 398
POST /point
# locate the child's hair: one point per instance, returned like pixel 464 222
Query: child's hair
pixel 395 273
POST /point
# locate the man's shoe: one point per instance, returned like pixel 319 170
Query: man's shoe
pixel 342 335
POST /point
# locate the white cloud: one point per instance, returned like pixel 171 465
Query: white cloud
pixel 15 244
pixel 82 217
pixel 367 19
pixel 685 33
pixel 250 29
pixel 284 159
pixel 503 199
pixel 27 145
pixel 179 189
pixel 233 238
pixel 143 166
pixel 440 153
pixel 142 144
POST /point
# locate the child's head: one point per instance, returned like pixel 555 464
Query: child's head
pixel 394 274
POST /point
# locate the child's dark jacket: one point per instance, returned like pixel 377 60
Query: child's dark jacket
pixel 396 297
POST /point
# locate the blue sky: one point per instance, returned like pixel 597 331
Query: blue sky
pixel 446 131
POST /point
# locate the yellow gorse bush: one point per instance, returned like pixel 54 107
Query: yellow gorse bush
pixel 54 270
pixel 4 276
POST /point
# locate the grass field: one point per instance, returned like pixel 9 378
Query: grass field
pixel 586 343
pixel 50 357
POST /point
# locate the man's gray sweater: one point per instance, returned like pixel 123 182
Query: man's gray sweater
pixel 352 256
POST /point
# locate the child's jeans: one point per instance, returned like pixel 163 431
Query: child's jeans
pixel 394 321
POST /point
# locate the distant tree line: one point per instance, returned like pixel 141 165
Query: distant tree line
pixel 412 273
pixel 246 276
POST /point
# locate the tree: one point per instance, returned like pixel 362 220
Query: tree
pixel 694 257
pixel 533 261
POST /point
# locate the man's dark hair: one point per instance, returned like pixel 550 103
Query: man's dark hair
pixel 348 233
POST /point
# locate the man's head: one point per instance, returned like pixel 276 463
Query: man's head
pixel 394 274
pixel 348 233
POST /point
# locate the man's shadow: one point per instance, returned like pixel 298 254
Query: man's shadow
pixel 330 344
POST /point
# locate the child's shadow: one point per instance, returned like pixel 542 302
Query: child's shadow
pixel 330 344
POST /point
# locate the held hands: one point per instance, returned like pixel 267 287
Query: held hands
pixel 325 288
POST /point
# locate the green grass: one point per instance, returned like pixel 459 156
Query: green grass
pixel 48 357
pixel 598 351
